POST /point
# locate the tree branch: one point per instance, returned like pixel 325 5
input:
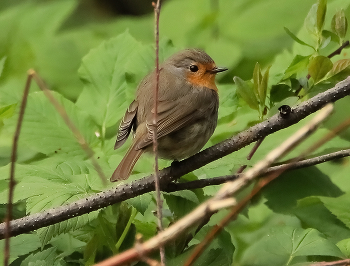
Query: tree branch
pixel 144 185
pixel 12 182
pixel 201 183
pixel 155 133
pixel 332 263
pixel 226 192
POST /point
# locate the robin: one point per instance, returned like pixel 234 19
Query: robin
pixel 187 110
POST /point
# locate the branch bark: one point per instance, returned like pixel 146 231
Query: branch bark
pixel 201 183
pixel 144 185
pixel 226 192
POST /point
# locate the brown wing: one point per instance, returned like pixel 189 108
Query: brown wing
pixel 175 115
pixel 126 124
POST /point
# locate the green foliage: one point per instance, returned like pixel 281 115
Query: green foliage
pixel 340 24
pixel 94 69
pixel 285 245
pixel 21 245
pixel 306 72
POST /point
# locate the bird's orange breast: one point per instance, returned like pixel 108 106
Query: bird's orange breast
pixel 205 81
pixel 203 78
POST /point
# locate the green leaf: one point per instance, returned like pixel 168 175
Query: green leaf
pixel 263 86
pixel 46 234
pixel 340 24
pixel 319 66
pixel 186 194
pixel 344 246
pixel 299 64
pixel 228 100
pixel 44 188
pixel 45 131
pixel 284 244
pixel 7 111
pixel 221 244
pixel 112 227
pixel 310 21
pixel 67 244
pixel 180 204
pixel 339 207
pixel 103 72
pixel 325 42
pixel 311 242
pixel 334 37
pixel 246 91
pixel 141 203
pixel 44 258
pixel 305 182
pixel 20 245
pixel 321 14
pixel 257 77
pixel 146 229
pixel 310 209
pixel 338 67
pixel 295 38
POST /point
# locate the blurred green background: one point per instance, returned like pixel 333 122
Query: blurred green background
pixel 58 37
pixel 53 36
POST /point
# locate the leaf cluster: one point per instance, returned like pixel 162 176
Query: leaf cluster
pixel 94 70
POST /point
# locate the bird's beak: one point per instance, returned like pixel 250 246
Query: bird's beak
pixel 218 69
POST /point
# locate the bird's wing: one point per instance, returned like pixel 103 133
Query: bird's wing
pixel 126 124
pixel 174 115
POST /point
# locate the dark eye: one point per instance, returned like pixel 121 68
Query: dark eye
pixel 193 68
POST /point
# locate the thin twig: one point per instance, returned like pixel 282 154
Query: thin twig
pixel 201 183
pixel 225 192
pixel 12 170
pixel 81 140
pixel 229 217
pixel 339 50
pixel 146 184
pixel 255 171
pixel 336 52
pixel 332 263
pixel 250 155
pixel 344 125
pixel 240 170
pixel 155 142
pixel 262 183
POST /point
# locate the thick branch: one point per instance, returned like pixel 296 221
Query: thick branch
pixel 201 183
pixel 168 174
pixel 225 193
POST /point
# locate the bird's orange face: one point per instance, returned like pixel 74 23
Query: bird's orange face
pixel 202 75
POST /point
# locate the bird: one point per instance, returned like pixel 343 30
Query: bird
pixel 187 110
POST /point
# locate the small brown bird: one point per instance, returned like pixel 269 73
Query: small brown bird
pixel 187 110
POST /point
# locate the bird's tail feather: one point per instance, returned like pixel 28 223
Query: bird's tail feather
pixel 125 167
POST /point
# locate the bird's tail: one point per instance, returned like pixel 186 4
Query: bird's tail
pixel 125 167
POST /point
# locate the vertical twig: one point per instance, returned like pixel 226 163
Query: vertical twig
pixel 12 170
pixel 32 74
pixel 81 140
pixel 155 143
pixel 250 155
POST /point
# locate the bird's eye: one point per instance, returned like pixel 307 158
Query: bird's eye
pixel 193 68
